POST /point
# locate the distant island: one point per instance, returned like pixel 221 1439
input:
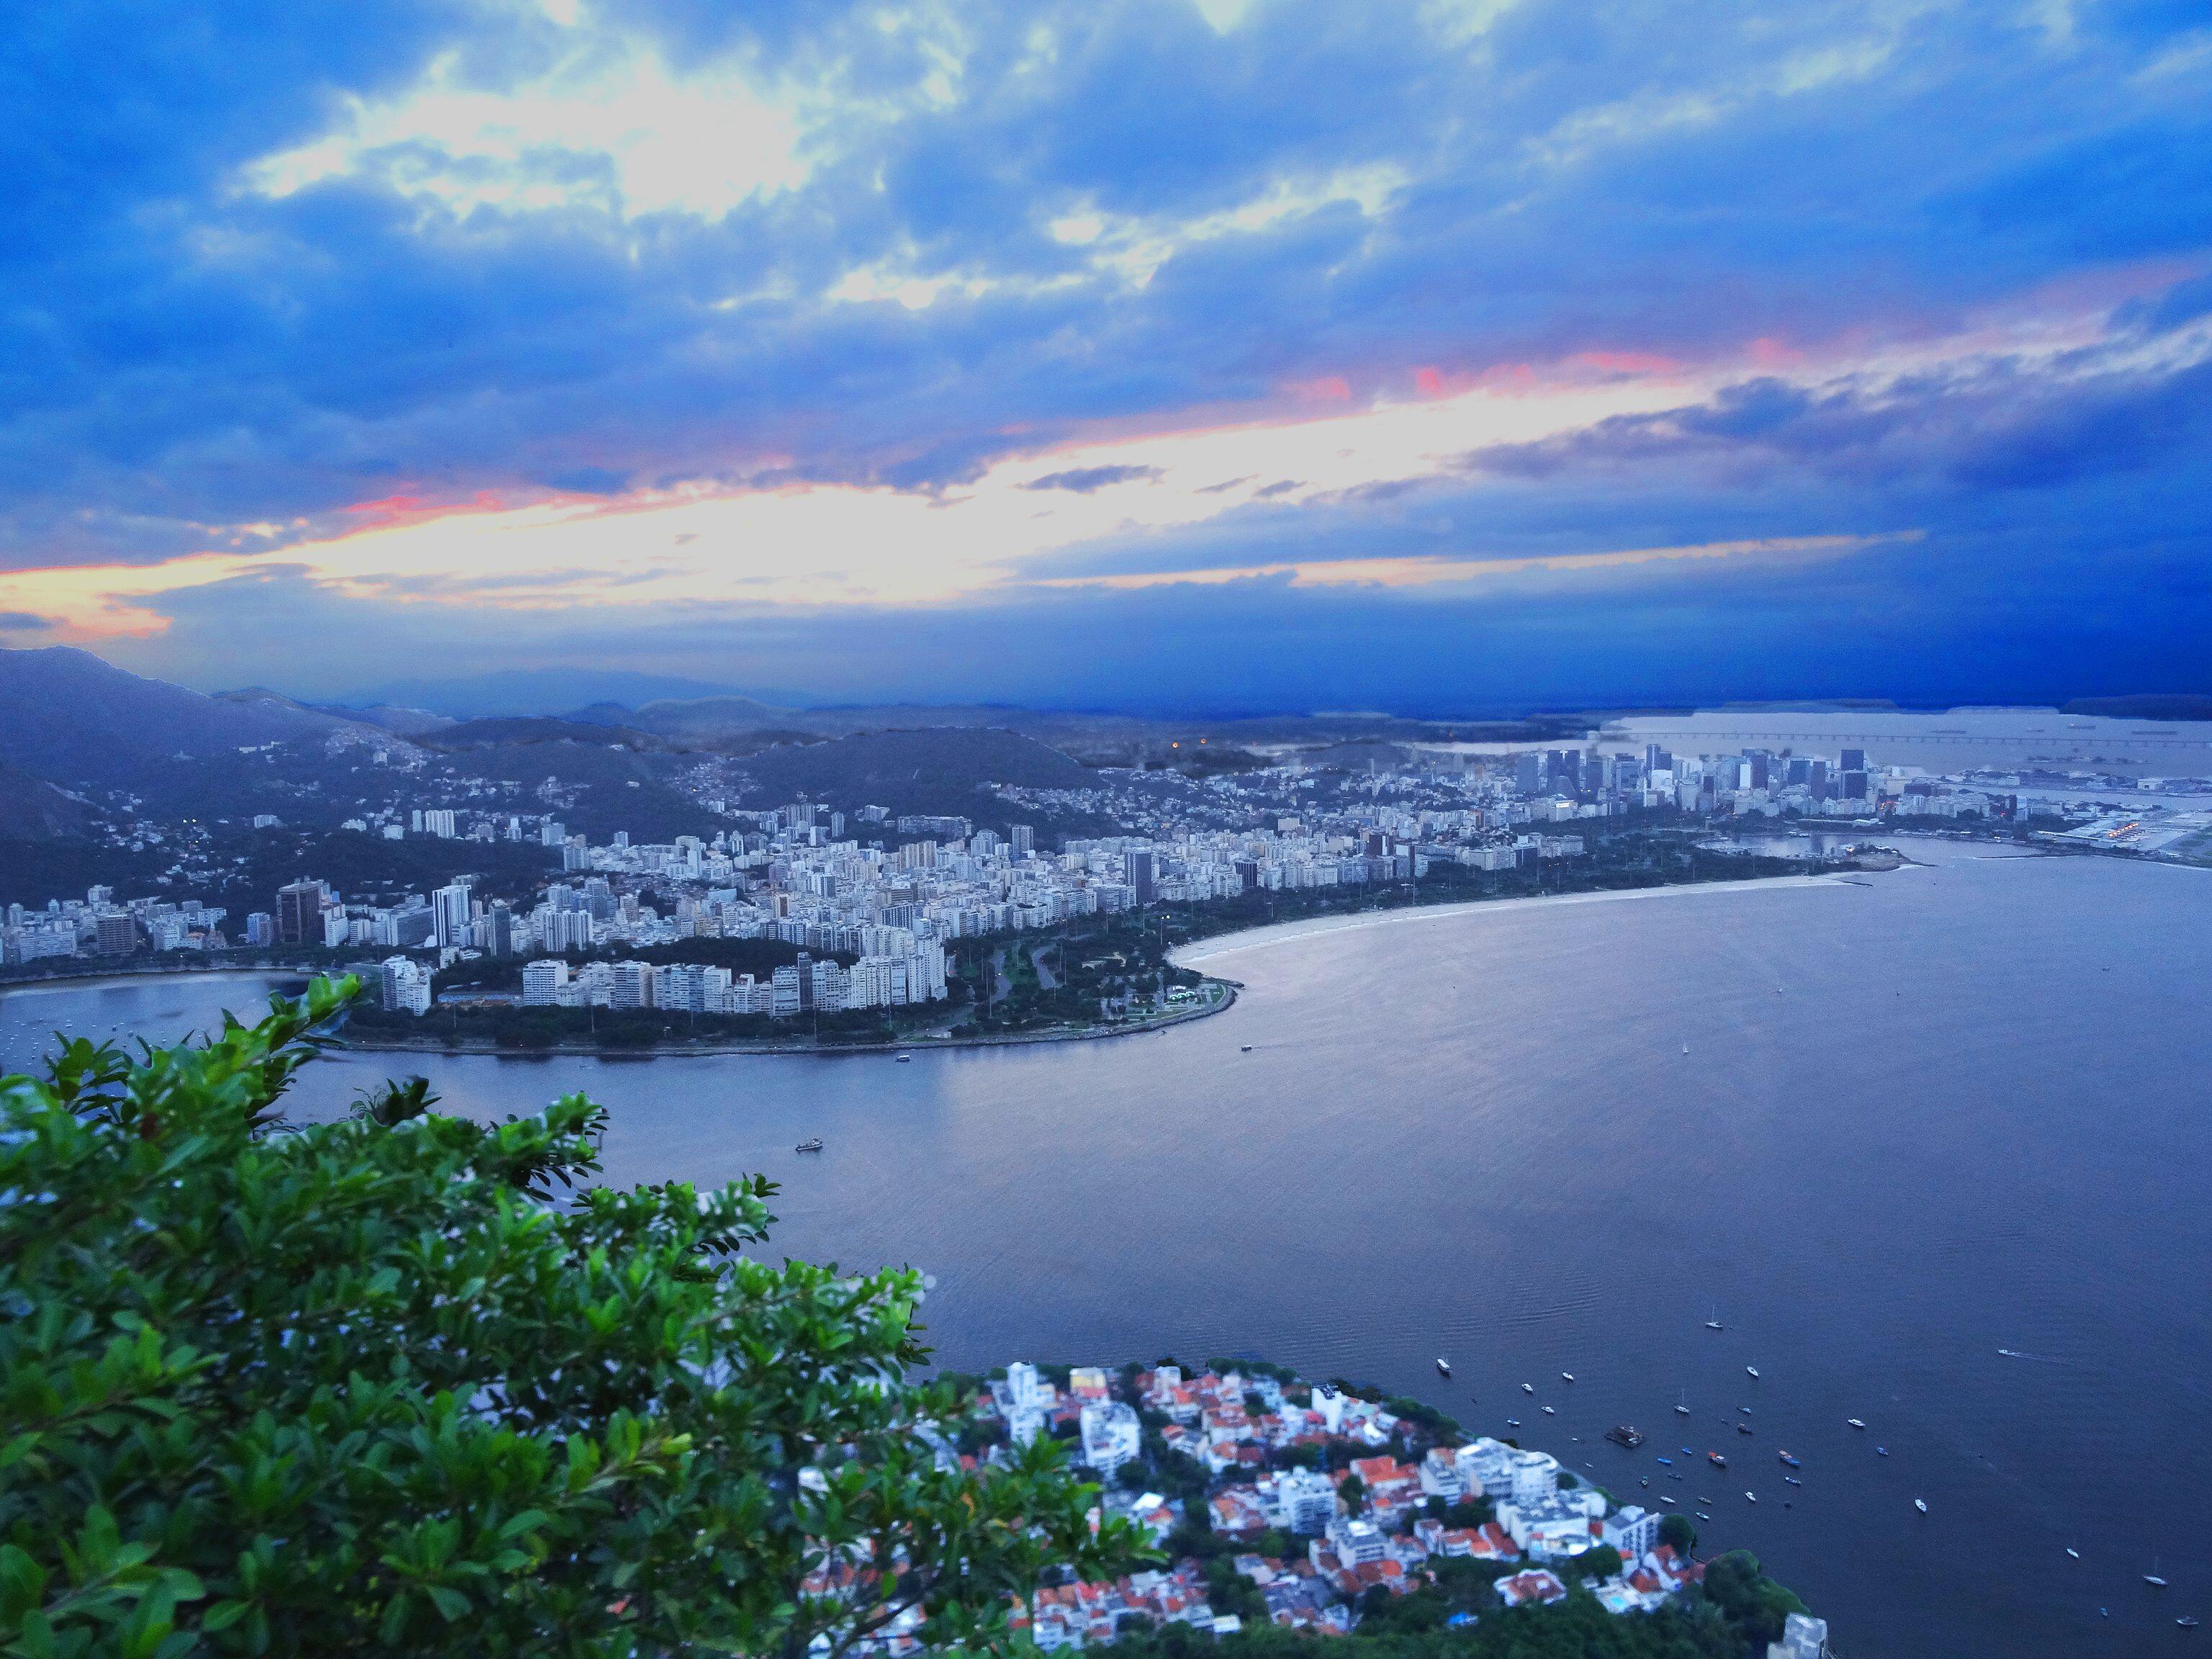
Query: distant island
pixel 1287 1508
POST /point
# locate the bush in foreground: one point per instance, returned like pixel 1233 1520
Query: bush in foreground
pixel 410 1383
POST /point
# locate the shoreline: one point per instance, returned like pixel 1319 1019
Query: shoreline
pixel 1185 956
pixel 1254 939
pixel 1218 1004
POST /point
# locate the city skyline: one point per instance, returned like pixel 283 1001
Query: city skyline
pixel 1230 353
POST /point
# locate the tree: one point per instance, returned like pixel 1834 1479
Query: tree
pixel 408 1381
pixel 1677 1534
pixel 1354 1490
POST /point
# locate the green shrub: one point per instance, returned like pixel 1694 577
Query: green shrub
pixel 407 1381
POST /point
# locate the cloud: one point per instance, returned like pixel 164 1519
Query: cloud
pixel 800 297
pixel 1084 480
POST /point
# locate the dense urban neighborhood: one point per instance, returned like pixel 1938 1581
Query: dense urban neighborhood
pixel 860 921
pixel 1332 1509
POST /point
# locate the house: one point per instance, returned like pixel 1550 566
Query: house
pixel 1535 1585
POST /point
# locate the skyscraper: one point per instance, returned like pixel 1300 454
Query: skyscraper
pixel 449 913
pixel 1144 877
pixel 299 913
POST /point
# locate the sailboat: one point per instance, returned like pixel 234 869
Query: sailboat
pixel 2152 1578
pixel 1714 1323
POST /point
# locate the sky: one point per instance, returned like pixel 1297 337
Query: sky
pixel 1220 355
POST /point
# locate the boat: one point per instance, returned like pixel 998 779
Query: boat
pixel 2187 1621
pixel 1743 1428
pixel 1791 1480
pixel 1443 1367
pixel 1643 1479
pixel 1246 1049
pixel 1666 1497
pixel 1855 1423
pixel 1681 1411
pixel 1751 1497
pixel 810 1145
pixel 1527 1388
pixel 1548 1411
pixel 1716 1460
pixel 1752 1371
pixel 1685 1048
pixel 2075 1554
pixel 906 1059
pixel 1621 1434
pixel 1567 1377
pixel 1715 1325
pixel 1702 1515
pixel 1668 1462
pixel 1920 1503
pixel 1881 1451
pixel 1512 1422
pixel 1791 1462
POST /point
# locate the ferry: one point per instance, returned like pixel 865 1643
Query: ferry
pixel 811 1145
pixel 1443 1368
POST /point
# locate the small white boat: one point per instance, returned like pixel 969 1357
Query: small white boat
pixel 1920 1503
pixel 906 1059
pixel 1685 1048
pixel 1548 1411
pixel 1681 1411
pixel 1527 1388
pixel 1752 1371
pixel 1443 1367
pixel 2075 1554
pixel 1567 1377
pixel 2153 1579
pixel 1751 1497
pixel 1855 1423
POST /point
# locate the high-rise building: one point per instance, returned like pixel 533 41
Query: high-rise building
pixel 449 915
pixel 1144 875
pixel 1854 760
pixel 115 934
pixel 404 984
pixel 300 913
pixel 1023 838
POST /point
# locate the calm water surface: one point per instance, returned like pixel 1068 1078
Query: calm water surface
pixel 1922 1117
